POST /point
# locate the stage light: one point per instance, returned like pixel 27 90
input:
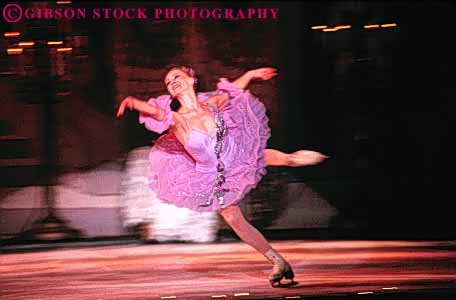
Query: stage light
pixel 55 42
pixel 343 27
pixel 390 288
pixel 371 26
pixel 22 44
pixel 168 297
pixel 364 293
pixel 64 49
pixel 319 27
pixel 337 28
pixel 293 297
pixel 330 29
pixel 14 51
pixel 11 34
pixel 63 2
pixel 218 296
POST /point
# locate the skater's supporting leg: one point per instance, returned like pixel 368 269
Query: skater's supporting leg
pixel 246 232
pixel 250 235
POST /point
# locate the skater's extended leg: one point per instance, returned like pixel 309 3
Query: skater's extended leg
pixel 299 158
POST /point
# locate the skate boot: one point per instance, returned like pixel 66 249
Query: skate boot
pixel 281 269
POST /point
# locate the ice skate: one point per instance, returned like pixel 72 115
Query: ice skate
pixel 281 270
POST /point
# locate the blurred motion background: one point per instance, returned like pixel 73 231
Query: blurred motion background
pixel 376 99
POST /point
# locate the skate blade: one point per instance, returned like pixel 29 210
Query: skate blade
pixel 280 284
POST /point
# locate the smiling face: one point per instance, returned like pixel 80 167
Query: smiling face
pixel 177 81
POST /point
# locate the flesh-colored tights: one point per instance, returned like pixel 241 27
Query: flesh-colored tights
pixel 246 232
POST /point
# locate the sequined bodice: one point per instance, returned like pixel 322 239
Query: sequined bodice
pixel 200 146
pixel 207 152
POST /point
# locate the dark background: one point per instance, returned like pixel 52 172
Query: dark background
pixel 377 101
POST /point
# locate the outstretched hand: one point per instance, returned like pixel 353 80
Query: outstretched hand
pixel 263 73
pixel 128 102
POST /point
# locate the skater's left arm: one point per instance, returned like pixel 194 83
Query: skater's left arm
pixel 229 90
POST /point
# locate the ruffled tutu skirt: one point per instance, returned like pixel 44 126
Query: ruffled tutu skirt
pixel 173 173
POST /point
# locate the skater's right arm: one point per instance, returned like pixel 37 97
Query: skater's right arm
pixel 155 114
pixel 142 107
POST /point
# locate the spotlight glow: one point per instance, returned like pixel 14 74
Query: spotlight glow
pixel 55 42
pixel 371 26
pixel 343 27
pixel 64 49
pixel 22 44
pixel 11 34
pixel 14 51
pixel 389 25
pixel 319 27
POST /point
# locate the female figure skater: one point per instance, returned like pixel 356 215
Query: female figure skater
pixel 215 152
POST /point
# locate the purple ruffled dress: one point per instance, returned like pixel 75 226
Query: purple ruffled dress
pixel 185 175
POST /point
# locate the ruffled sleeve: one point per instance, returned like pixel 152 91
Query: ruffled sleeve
pixel 163 102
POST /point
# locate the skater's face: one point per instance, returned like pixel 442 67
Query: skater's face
pixel 177 82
